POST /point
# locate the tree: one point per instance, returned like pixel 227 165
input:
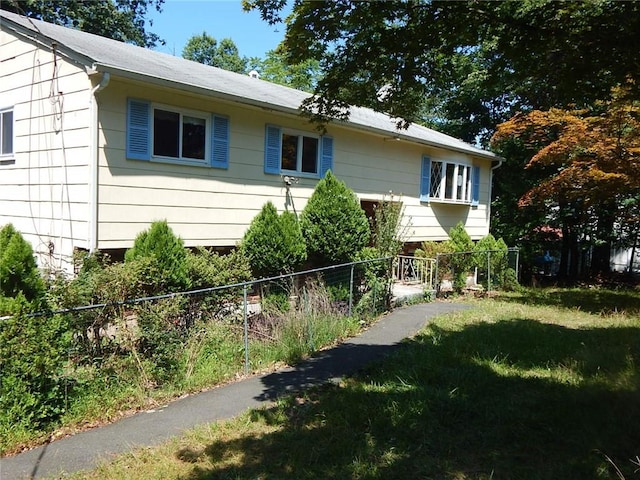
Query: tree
pixel 333 224
pixel 122 20
pixel 590 160
pixel 205 49
pixel 273 243
pixel 474 59
pixel 274 68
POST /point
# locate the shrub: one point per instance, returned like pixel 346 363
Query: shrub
pixel 18 270
pixel 462 259
pixel 273 243
pixel 497 258
pixel 32 357
pixel 333 224
pixel 208 269
pixel 389 233
pixel 167 269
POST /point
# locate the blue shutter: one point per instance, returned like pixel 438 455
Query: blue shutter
pixel 138 130
pixel 475 186
pixel 326 156
pixel 219 141
pixel 425 179
pixel 272 150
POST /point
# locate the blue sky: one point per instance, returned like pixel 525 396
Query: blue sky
pixel 181 19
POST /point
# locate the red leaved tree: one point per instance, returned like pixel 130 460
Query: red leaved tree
pixel 591 186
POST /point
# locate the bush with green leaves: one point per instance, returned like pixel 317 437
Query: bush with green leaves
pixel 33 352
pixel 389 233
pixel 334 226
pixel 462 260
pixel 273 243
pixel 208 269
pixel 167 270
pixel 18 270
pixel 491 257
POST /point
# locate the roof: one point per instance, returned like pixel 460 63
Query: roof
pixel 106 55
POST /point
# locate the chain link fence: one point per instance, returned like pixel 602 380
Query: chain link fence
pixel 123 352
pixel 477 271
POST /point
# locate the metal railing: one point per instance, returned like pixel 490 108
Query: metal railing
pixel 414 270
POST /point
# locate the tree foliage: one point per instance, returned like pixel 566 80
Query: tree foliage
pixel 205 49
pixel 588 161
pixel 122 20
pixel 273 243
pixel 333 224
pixel 475 61
pixel 274 68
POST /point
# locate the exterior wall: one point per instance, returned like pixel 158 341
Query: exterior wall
pixel 44 187
pixel 213 207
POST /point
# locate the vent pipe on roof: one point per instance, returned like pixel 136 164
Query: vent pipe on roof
pixel 254 74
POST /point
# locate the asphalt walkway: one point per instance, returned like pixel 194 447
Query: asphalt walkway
pixel 84 450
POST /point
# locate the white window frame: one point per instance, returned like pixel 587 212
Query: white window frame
pixel 7 155
pixel 182 112
pixel 462 173
pixel 300 134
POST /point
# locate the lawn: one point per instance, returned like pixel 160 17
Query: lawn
pixel 541 384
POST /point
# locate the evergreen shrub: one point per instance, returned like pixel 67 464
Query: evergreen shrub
pixel 18 270
pixel 334 226
pixel 273 243
pixel 167 269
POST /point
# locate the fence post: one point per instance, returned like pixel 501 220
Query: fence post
pixel 488 271
pixel 351 289
pixel 437 282
pixel 246 330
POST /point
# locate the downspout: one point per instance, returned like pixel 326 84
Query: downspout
pixel 495 167
pixel 95 159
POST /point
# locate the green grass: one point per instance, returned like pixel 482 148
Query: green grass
pixel 541 384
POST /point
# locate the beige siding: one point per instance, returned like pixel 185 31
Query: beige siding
pixel 44 189
pixel 214 207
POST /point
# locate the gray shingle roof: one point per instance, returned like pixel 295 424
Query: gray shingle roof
pixel 108 55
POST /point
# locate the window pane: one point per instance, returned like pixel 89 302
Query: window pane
pixel 289 152
pixel 6 141
pixel 436 179
pixel 193 137
pixel 166 133
pixel 460 180
pixel 467 194
pixel 309 155
pixel 450 182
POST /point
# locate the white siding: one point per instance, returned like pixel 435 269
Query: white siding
pixel 44 188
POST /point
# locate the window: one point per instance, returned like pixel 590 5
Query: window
pixel 162 133
pixel 449 182
pixel 300 153
pixel 6 133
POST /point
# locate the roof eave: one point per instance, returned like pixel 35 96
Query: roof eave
pixel 98 67
pixel 278 108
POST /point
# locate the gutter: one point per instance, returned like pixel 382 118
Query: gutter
pixel 495 167
pixel 94 159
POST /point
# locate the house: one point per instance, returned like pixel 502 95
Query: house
pixel 100 138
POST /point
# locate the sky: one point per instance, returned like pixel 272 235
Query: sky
pixel 182 19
